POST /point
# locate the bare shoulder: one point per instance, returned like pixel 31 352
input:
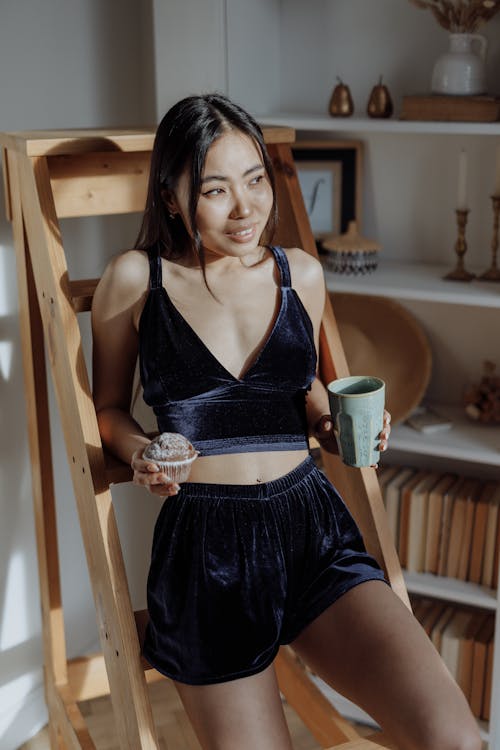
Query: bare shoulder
pixel 124 282
pixel 305 269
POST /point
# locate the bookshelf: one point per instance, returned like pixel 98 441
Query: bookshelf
pixel 413 279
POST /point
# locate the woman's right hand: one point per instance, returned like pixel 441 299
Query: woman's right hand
pixel 147 474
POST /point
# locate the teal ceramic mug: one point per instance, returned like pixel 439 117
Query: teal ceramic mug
pixel 357 409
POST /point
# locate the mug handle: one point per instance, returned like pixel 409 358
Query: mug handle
pixel 481 44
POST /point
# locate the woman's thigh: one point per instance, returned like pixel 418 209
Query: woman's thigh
pixel 370 648
pixel 246 713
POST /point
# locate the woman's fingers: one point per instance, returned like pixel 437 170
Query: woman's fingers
pixel 147 474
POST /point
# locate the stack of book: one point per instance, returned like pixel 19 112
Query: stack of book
pixel 443 523
pixel 464 638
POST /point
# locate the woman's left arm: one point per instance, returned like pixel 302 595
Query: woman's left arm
pixel 309 282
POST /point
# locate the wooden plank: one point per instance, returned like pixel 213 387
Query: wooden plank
pixel 374 742
pixel 51 142
pixel 6 185
pixel 67 720
pixel 82 293
pixel 78 141
pixel 37 410
pixel 100 534
pixel 94 184
pixel 87 677
pixel 322 719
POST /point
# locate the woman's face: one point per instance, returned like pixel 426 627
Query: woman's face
pixel 235 198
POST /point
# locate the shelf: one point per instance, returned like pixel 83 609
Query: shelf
pixel 325 123
pixel 417 281
pixel 451 590
pixel 465 441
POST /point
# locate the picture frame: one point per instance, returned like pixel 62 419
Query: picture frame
pixel 330 175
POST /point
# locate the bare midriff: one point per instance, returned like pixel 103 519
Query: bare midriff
pixel 245 468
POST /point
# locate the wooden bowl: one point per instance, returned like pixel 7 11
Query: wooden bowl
pixel 381 338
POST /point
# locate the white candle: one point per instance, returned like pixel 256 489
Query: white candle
pixel 496 191
pixel 462 181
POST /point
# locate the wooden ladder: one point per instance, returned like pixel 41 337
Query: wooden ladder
pixel 60 174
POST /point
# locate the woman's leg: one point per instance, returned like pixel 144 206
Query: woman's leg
pixel 370 648
pixel 246 713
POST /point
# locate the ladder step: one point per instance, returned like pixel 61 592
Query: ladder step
pixel 82 293
pixel 377 741
pixel 117 471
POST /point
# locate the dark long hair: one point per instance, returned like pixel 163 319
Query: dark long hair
pixel 182 141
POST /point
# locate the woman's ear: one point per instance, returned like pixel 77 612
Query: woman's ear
pixel 170 202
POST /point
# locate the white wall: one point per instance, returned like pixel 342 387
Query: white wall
pixel 230 46
pixel 63 64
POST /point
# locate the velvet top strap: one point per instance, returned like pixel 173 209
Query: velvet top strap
pixel 155 277
pixel 282 263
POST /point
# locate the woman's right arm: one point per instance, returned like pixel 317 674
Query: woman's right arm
pixel 116 308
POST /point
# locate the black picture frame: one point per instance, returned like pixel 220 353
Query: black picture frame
pixel 349 156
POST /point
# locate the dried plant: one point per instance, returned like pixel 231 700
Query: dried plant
pixel 460 16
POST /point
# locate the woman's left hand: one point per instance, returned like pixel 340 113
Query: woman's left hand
pixel 325 435
pixel 384 435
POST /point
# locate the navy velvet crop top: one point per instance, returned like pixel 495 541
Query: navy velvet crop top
pixel 192 393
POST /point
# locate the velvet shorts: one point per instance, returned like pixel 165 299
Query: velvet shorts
pixel 238 570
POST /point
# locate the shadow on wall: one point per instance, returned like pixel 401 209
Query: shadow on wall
pixel 103 73
pixel 20 640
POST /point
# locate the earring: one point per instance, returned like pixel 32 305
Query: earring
pixel 171 215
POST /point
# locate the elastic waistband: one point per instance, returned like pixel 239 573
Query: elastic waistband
pixel 251 491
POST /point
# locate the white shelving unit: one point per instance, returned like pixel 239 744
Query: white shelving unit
pixel 324 123
pixel 466 441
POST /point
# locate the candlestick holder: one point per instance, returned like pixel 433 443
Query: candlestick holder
pixel 493 272
pixel 460 273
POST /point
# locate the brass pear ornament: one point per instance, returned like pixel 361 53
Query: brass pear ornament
pixel 380 102
pixel 341 101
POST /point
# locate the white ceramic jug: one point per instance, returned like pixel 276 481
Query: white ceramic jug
pixel 461 70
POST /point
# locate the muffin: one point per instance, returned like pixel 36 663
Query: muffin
pixel 173 454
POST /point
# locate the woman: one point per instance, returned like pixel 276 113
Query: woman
pixel 257 549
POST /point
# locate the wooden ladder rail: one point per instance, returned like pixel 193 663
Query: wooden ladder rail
pixel 40 190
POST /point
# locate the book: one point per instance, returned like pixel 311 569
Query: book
pixel 421 606
pixel 496 556
pixel 392 497
pixel 428 420
pixel 457 526
pixel 417 523
pixel 488 679
pixel 404 514
pixel 432 616
pixel 470 513
pixel 481 642
pixel 466 655
pixel 434 516
pixel 449 501
pixel 479 532
pixel 491 543
pixel 385 474
pixel 450 108
pixel 440 624
pixel 451 637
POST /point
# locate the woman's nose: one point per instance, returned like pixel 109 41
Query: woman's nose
pixel 241 207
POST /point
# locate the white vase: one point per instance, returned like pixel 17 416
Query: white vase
pixel 461 70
